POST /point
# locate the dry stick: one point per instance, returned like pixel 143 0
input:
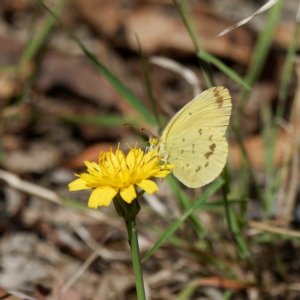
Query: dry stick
pixel 274 229
pixel 262 9
pixel 32 189
pixel 287 195
pixel 186 73
pixel 78 273
pixel 83 267
pixel 15 182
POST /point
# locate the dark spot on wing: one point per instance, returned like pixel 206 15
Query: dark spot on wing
pixel 190 113
pixel 212 149
pixel 219 98
pixel 183 139
pixel 206 165
pixel 200 131
pixel 198 169
pixel 220 101
pixel 208 154
pixel 210 137
pixel 182 151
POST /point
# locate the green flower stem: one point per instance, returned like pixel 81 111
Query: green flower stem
pixel 128 212
pixel 136 258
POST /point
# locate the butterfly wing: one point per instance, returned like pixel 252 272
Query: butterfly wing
pixel 194 139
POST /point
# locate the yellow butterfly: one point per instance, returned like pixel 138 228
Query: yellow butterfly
pixel 194 140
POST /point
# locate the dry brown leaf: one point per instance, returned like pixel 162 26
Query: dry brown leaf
pixel 223 283
pixel 38 158
pixel 104 16
pixel 255 150
pixel 76 75
pixel 261 95
pixel 159 28
pixel 16 5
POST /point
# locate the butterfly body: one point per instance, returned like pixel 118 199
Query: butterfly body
pixel 194 140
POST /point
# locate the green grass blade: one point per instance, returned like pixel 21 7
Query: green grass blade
pixel 222 67
pixel 262 47
pixel 287 71
pixel 9 68
pixel 101 120
pixel 274 187
pixel 187 292
pixel 219 204
pixel 39 38
pixel 280 110
pixel 269 133
pixel 184 11
pixel 227 294
pixel 208 192
pixel 185 203
pixel 148 84
pixel 115 82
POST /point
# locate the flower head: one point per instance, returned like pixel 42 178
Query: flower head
pixel 117 173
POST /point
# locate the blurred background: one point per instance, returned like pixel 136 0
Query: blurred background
pixel 64 95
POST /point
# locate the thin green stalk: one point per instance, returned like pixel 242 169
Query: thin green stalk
pixel 232 222
pixel 184 11
pixel 136 258
pixel 33 47
pixel 280 110
pixel 113 80
pixel 244 251
pixel 174 226
pixel 239 139
pixel 38 39
pixel 222 67
pixel 287 71
pixel 129 211
pixel 185 204
pixel 259 56
pixel 148 85
pixel 261 49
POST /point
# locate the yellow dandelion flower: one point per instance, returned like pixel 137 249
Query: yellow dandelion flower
pixel 117 173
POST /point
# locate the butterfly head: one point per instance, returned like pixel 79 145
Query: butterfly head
pixel 153 141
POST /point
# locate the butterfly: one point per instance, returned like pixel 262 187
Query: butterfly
pixel 194 140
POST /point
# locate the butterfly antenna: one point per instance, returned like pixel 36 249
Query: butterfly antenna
pixel 140 129
pixel 144 129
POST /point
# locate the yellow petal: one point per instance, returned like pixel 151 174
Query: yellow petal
pixel 88 164
pixel 101 196
pixel 113 160
pixel 162 174
pixel 130 159
pixel 148 186
pixel 120 155
pixel 149 155
pixel 128 193
pixel 96 166
pixel 78 184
